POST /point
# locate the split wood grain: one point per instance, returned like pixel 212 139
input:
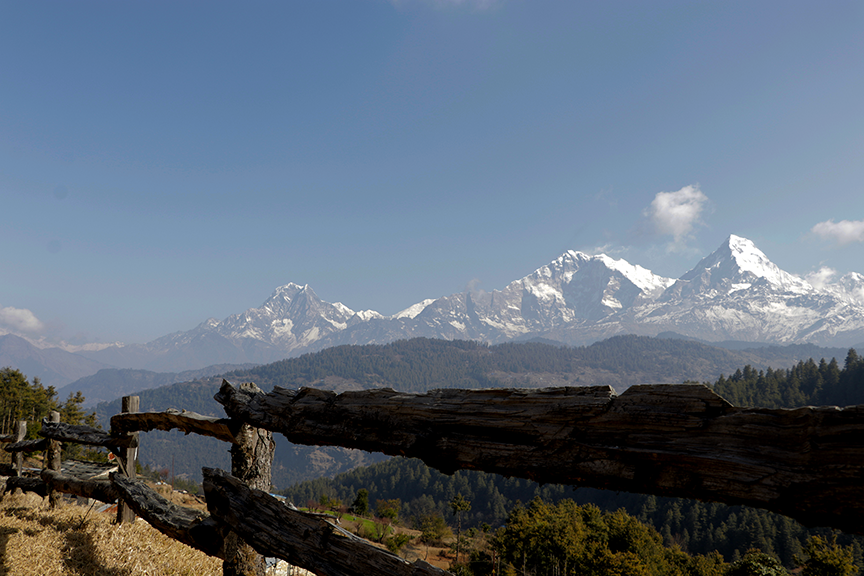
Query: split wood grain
pixel 101 490
pixel 667 440
pixel 188 525
pixel 304 540
pixel 172 419
pixel 83 435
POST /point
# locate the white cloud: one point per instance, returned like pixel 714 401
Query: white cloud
pixel 677 213
pixel 821 278
pixel 843 232
pixel 20 320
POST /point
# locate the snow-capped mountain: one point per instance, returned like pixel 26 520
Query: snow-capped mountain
pixel 851 287
pixel 735 293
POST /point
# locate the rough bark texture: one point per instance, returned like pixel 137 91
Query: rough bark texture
pixel 25 483
pixel 301 539
pixel 668 440
pixel 52 459
pixel 20 434
pixel 27 446
pixel 251 462
pixel 128 459
pixel 83 435
pixel 190 526
pixel 170 419
pixel 101 490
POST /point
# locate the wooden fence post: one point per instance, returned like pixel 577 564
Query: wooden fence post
pixel 52 459
pixel 251 462
pixel 128 461
pixel 20 434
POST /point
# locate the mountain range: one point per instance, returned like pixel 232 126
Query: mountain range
pixel 53 366
pixel 735 293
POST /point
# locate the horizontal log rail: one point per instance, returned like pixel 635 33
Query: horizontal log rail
pixel 188 525
pixel 25 483
pixel 668 440
pixel 38 445
pixel 173 419
pixel 306 540
pixel 84 435
pixel 102 490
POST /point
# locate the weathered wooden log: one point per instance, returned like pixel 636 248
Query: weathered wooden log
pixel 20 434
pixel 668 440
pixel 37 445
pixel 25 483
pixel 128 458
pixel 301 539
pixel 188 525
pixel 173 419
pixel 83 435
pixel 101 490
pixel 52 459
pixel 251 463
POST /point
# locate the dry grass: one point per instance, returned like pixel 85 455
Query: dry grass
pixel 78 541
pixel 75 540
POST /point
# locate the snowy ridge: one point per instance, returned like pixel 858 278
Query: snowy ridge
pixel 734 293
pixel 415 309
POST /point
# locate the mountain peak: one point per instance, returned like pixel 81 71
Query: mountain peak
pixel 290 288
pixel 643 278
pixel 737 264
pixel 749 258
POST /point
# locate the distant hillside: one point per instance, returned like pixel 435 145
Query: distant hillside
pixel 111 383
pixel 421 364
pixel 53 366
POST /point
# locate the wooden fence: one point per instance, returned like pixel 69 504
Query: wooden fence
pixel 670 440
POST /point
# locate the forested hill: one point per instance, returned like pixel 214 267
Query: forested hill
pixel 421 364
pixel 808 383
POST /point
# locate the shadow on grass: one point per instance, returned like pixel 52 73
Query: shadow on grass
pixel 80 556
pixel 5 533
pixel 79 550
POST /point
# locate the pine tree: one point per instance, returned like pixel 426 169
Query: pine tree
pixel 459 504
pixel 361 503
pixel 824 558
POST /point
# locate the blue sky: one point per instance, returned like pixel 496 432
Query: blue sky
pixel 166 162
